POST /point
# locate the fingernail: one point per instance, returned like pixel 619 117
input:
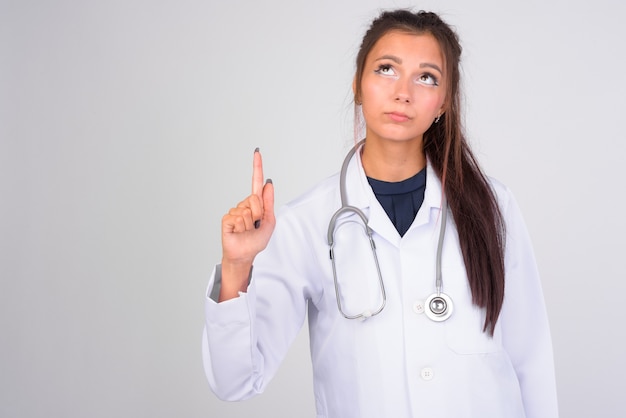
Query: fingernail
pixel 269 181
pixel 257 224
pixel 256 149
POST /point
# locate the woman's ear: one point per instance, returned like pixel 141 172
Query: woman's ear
pixel 442 110
pixel 357 100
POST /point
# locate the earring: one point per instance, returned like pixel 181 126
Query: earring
pixel 437 118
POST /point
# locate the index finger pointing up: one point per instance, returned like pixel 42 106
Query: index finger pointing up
pixel 257 174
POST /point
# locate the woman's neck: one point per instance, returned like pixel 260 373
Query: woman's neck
pixel 392 161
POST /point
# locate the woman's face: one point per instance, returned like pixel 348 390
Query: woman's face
pixel 403 86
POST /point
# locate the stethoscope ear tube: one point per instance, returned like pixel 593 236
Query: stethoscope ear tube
pixel 331 243
pixel 345 208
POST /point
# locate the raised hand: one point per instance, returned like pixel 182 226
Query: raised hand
pixel 246 230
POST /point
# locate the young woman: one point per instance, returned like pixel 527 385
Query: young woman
pixel 440 312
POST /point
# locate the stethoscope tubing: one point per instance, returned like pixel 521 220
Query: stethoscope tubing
pixel 438 305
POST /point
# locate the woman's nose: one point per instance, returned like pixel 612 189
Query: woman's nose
pixel 403 97
pixel 402 93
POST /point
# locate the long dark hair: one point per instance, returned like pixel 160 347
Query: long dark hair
pixel 468 192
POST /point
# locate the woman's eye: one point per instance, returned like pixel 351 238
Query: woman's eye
pixel 385 69
pixel 428 79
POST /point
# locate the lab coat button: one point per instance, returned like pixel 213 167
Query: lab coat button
pixel 418 307
pixel 427 373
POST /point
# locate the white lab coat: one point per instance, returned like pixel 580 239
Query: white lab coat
pixel 398 363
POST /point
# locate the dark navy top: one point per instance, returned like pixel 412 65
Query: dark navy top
pixel 401 200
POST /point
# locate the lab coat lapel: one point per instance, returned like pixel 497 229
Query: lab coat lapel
pixel 360 195
pixel 432 199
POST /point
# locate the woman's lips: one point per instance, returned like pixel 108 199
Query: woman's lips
pixel 398 117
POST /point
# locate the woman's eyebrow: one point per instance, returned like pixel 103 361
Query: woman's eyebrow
pixel 433 66
pixel 393 58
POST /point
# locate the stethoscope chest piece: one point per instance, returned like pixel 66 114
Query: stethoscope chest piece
pixel 438 307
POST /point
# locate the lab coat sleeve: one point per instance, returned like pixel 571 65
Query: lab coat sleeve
pixel 228 323
pixel 525 328
pixel 246 338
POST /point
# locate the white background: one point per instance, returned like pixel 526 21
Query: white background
pixel 127 129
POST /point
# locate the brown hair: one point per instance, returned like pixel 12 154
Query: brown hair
pixel 472 201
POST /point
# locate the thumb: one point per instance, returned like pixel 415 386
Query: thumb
pixel 268 202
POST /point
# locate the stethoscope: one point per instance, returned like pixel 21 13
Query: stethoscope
pixel 438 306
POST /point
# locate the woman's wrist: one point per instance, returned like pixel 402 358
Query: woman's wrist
pixel 235 279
